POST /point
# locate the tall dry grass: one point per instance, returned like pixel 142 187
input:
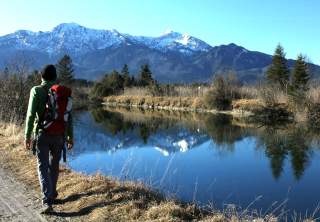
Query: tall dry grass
pixel 257 99
pixel 14 95
pixel 271 96
pixel 15 84
pixel 136 91
pixel 168 91
pixel 313 94
pixel 100 198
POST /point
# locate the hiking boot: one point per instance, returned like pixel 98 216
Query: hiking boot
pixel 46 209
pixel 56 201
pixel 53 199
pixel 54 196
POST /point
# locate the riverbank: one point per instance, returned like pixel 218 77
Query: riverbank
pixel 100 198
pixel 254 111
pixel 240 108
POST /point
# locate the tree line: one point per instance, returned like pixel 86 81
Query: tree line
pixel 114 82
pixel 280 75
pixel 293 82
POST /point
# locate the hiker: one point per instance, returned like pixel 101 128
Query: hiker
pixel 51 131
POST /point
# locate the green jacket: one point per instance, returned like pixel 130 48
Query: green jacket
pixel 36 109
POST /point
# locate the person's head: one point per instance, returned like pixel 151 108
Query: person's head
pixel 49 73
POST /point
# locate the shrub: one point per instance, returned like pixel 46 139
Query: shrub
pixel 272 96
pixel 111 84
pixel 14 93
pixel 220 95
pixel 297 100
pixel 155 90
pixel 272 116
pixel 313 115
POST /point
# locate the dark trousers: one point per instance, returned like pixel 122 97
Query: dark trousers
pixel 48 150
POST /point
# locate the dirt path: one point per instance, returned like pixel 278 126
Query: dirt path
pixel 17 203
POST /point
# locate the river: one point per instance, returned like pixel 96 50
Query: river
pixel 212 160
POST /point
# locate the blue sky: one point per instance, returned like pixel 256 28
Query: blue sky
pixel 255 24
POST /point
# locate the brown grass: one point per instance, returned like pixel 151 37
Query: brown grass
pixel 250 100
pixel 247 104
pixel 314 94
pixel 95 198
pixel 180 91
pixel 183 103
pixel 137 91
pixel 246 99
pixel 242 107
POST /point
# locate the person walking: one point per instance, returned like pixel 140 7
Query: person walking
pixel 48 129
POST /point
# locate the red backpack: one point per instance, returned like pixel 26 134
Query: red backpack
pixel 58 109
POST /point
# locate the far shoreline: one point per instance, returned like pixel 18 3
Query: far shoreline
pixel 134 102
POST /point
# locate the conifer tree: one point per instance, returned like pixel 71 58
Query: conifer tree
pixel 278 72
pixel 114 81
pixel 125 75
pixel 133 81
pixel 65 70
pixel 145 76
pixel 300 76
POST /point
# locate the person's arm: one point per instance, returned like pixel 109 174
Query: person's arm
pixel 31 115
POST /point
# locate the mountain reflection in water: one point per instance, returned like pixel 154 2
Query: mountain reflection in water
pixel 217 156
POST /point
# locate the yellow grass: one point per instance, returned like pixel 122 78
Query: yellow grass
pixel 94 198
pixel 154 101
pixel 241 108
pixel 247 104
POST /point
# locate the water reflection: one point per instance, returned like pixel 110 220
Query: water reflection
pixel 222 131
pixel 293 142
pixel 202 157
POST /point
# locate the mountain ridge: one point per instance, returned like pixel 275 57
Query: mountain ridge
pixel 173 57
pixel 72 34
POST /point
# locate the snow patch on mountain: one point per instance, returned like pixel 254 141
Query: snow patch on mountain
pixel 185 39
pixel 173 41
pixel 76 39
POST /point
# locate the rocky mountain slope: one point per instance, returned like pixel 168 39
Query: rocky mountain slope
pixel 173 57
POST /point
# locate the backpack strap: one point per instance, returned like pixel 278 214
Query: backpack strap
pixel 41 118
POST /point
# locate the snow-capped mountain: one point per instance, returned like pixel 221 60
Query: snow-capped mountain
pixel 173 41
pixel 172 56
pixel 77 39
pixel 69 37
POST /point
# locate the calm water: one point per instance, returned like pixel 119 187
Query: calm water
pixel 209 159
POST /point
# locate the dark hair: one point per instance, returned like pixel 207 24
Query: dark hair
pixel 49 73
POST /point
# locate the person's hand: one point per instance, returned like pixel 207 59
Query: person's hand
pixel 69 145
pixel 28 143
